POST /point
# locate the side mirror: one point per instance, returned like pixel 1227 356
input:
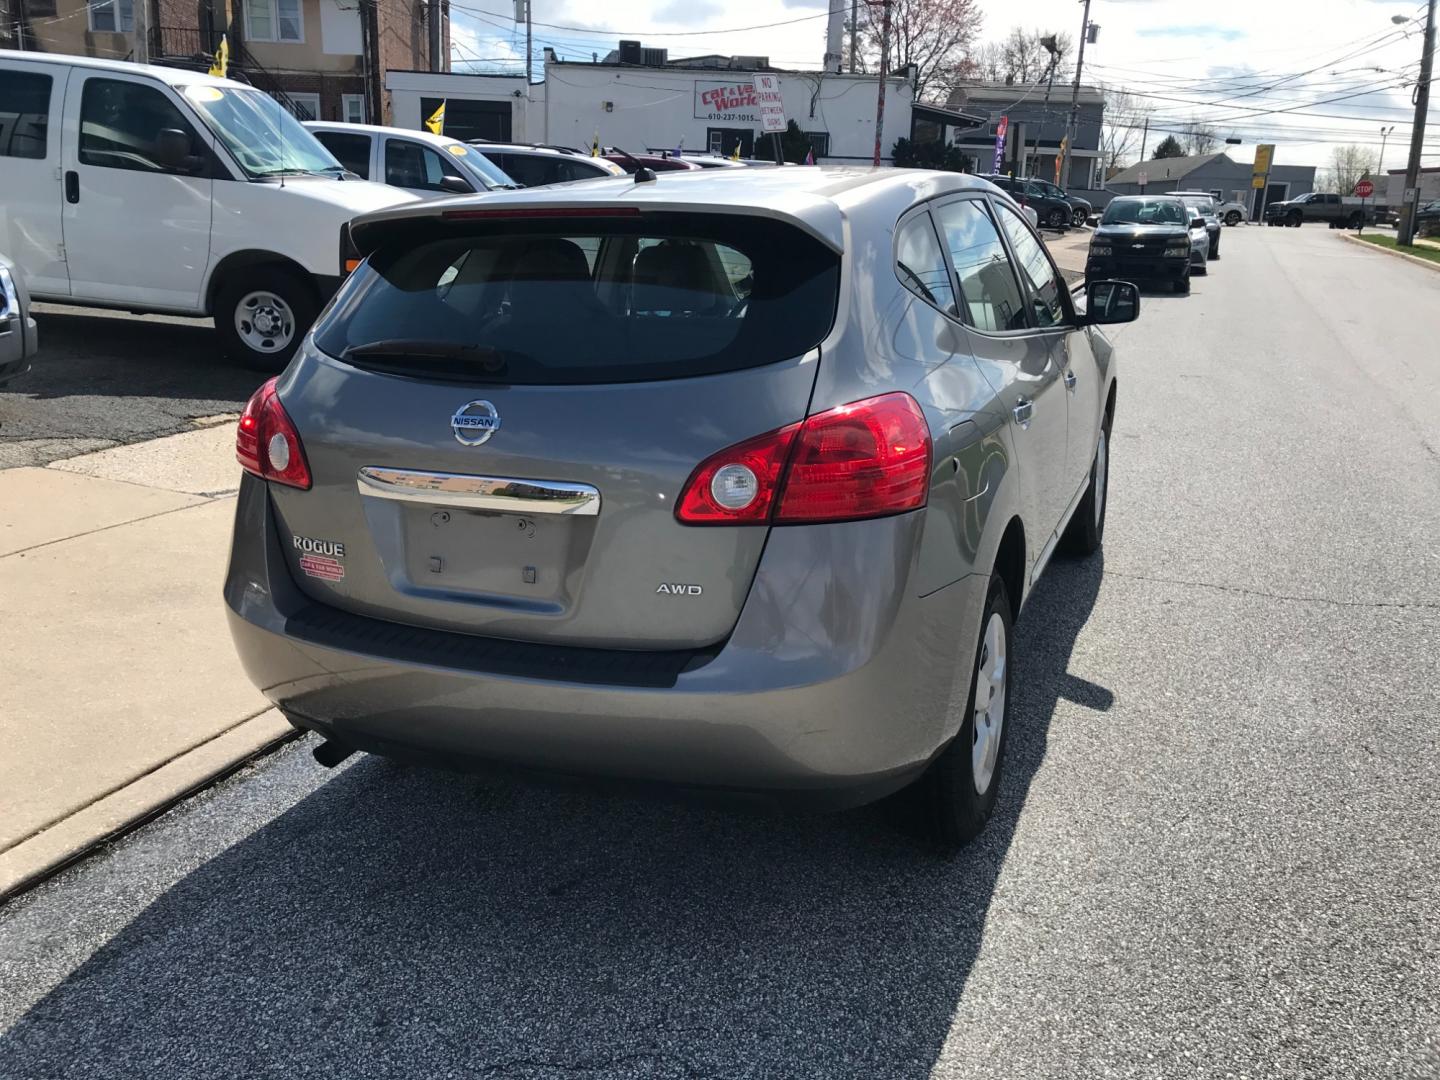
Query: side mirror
pixel 1197 223
pixel 456 185
pixel 1108 302
pixel 173 150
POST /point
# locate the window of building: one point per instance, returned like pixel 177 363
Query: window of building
pixel 24 114
pixel 104 16
pixel 352 108
pixel 989 294
pixel 274 20
pixel 920 264
pixel 1039 271
pixel 304 106
pixel 120 124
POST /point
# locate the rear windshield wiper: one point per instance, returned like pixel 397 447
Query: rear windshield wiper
pixel 404 357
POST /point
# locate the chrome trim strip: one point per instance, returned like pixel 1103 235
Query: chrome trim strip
pixel 479 492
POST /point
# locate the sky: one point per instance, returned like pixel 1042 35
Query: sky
pixel 1305 75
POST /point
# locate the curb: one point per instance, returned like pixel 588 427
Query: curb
pixel 1391 251
pixel 148 796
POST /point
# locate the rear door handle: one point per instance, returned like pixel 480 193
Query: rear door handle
pixel 1024 410
pixel 72 186
pixel 1069 379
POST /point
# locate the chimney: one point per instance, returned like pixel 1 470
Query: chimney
pixel 834 34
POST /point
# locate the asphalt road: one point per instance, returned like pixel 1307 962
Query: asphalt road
pixel 106 378
pixel 1215 853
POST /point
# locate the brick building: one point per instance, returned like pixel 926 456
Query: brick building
pixel 324 59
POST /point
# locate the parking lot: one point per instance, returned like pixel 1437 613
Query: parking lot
pixel 1213 856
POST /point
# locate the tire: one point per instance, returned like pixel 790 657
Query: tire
pixel 1078 218
pixel 1356 220
pixel 1293 221
pixel 1086 531
pixel 262 315
pixel 960 787
pixel 1055 219
pixel 1214 252
pixel 1232 218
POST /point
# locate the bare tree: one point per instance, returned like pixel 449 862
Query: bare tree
pixel 1348 165
pixel 1123 130
pixel 934 35
pixel 1200 138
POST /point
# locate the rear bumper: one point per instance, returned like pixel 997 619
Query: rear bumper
pixel 837 685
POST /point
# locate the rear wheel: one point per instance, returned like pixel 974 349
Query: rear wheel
pixel 1232 218
pixel 1078 218
pixel 1086 531
pixel 262 315
pixel 961 785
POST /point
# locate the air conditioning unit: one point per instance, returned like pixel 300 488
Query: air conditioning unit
pixel 630 52
pixel 654 57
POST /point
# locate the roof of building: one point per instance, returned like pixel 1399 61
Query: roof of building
pixel 1008 95
pixel 1160 170
pixel 937 114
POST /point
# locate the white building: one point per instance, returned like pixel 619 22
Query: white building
pixel 705 104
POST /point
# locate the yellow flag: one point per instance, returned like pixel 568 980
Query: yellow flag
pixel 736 155
pixel 595 146
pixel 436 123
pixel 222 59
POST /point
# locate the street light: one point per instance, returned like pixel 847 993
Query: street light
pixel 1380 165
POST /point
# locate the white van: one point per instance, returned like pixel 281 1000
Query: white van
pixel 155 189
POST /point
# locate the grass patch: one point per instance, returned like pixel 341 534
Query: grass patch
pixel 1420 251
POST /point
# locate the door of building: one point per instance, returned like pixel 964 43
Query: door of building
pixel 722 141
pixel 467 120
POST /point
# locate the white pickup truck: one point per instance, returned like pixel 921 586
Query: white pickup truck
pixel 156 189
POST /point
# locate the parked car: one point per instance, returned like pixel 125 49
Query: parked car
pixel 1203 206
pixel 1427 219
pixel 655 162
pixel 1147 238
pixel 166 190
pixel 715 161
pixel 1338 211
pixel 18 336
pixel 417 161
pixel 1054 211
pixel 532 165
pixel 1080 209
pixel 721 526
pixel 1230 212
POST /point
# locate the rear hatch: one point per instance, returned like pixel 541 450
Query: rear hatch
pixel 499 415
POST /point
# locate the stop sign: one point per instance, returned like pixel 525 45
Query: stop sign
pixel 1364 189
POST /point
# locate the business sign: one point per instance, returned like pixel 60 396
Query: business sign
pixel 1000 129
pixel 728 101
pixel 1264 155
pixel 772 108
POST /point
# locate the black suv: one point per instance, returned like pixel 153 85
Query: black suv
pixel 1053 211
pixel 1142 238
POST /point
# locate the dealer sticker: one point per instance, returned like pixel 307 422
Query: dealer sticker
pixel 319 566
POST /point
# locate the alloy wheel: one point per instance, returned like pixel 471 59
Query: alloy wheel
pixel 989 714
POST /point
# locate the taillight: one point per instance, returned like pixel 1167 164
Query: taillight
pixel 266 442
pixel 866 459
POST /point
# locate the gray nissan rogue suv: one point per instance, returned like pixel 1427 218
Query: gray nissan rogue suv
pixel 732 481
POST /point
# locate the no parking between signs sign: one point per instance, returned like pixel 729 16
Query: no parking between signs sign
pixel 772 108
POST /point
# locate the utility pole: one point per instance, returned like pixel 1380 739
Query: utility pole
pixel 142 30
pixel 885 71
pixel 854 31
pixel 1144 137
pixel 529 63
pixel 1074 122
pixel 1417 132
pixel 433 10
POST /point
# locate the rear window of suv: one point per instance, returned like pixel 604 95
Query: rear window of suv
pixel 582 300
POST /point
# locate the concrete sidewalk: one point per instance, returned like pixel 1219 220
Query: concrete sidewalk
pixel 1068 249
pixel 122 692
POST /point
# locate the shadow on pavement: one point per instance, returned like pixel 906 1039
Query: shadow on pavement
pixel 401 922
pixel 121 356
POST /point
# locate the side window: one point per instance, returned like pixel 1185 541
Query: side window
pixel 920 264
pixel 989 294
pixel 410 165
pixel 1039 271
pixel 121 124
pixel 524 169
pixel 24 114
pixel 352 151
